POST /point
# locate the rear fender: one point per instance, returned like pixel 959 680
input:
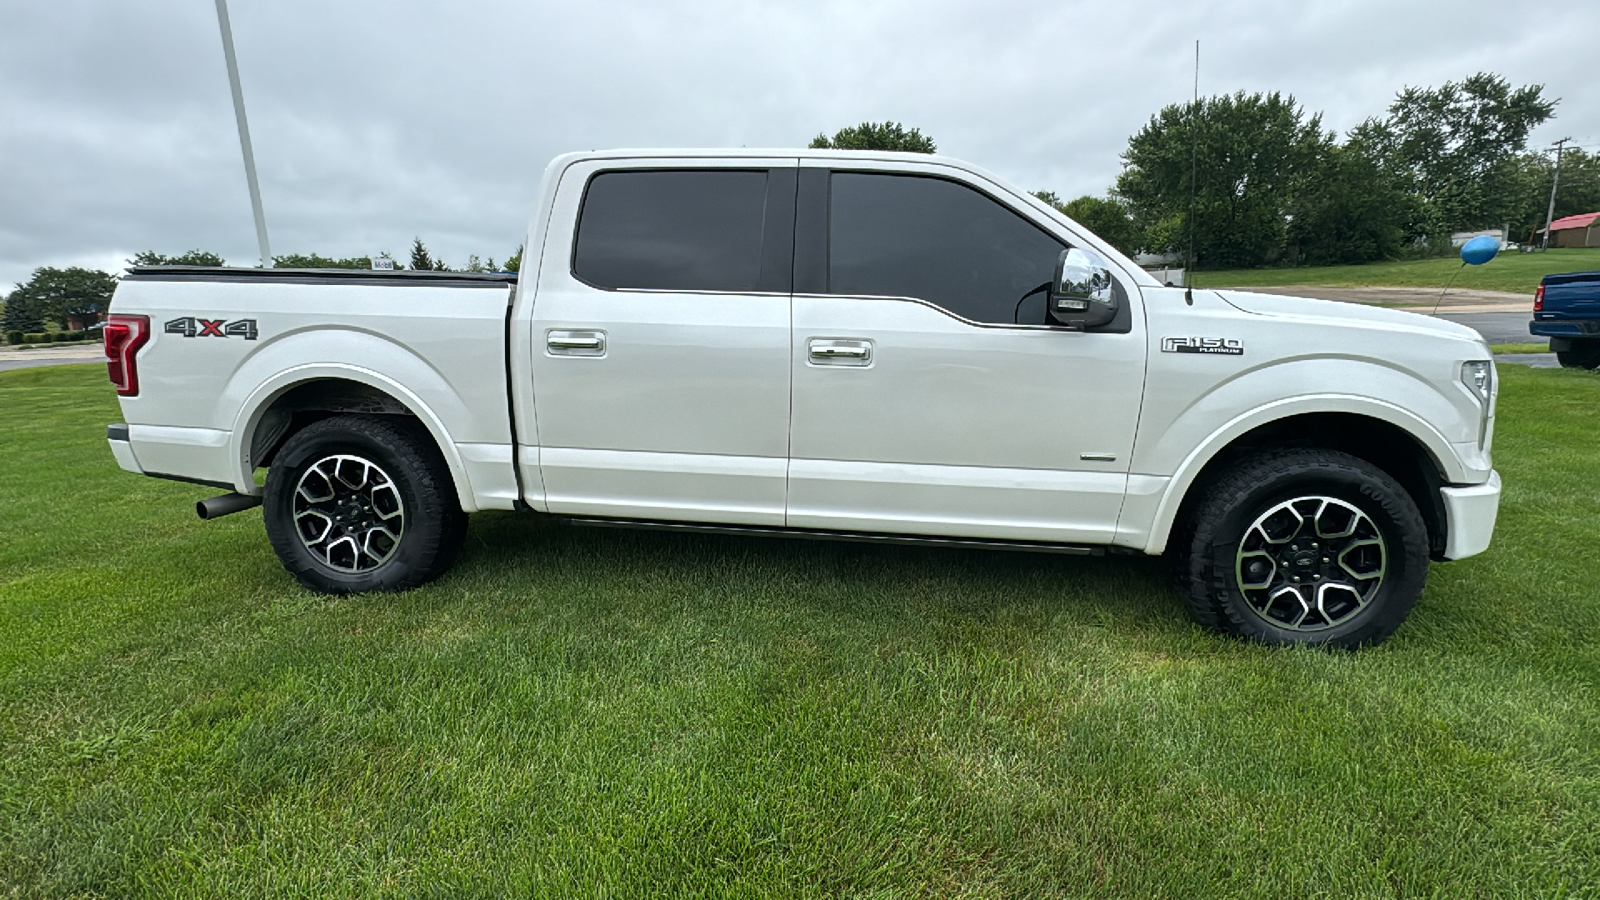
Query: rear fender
pixel 403 375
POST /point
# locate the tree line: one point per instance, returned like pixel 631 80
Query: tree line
pixel 1271 186
pixel 59 295
pixel 1268 185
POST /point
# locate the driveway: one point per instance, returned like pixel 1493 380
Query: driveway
pixel 1454 300
pixel 31 357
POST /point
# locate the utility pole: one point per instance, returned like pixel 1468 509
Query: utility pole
pixel 1550 213
pixel 244 133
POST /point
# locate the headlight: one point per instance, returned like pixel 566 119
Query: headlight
pixel 1478 376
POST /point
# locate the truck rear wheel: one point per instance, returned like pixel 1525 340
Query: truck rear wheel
pixel 1305 547
pixel 1582 355
pixel 362 503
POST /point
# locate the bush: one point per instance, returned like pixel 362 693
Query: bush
pixel 69 336
pixel 13 337
pixel 1430 247
pixel 36 338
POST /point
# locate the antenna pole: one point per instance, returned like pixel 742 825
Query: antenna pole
pixel 244 133
pixel 1550 214
pixel 1194 168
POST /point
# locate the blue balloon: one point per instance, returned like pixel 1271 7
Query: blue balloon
pixel 1479 250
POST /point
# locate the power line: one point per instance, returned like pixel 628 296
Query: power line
pixel 1550 214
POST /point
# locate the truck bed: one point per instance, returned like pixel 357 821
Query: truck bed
pixel 320 276
pixel 436 341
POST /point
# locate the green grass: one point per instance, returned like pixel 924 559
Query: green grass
pixel 588 713
pixel 1517 273
pixel 1528 347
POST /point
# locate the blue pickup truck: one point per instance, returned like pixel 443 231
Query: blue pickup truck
pixel 1566 309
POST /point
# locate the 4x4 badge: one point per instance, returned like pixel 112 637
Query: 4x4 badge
pixel 193 326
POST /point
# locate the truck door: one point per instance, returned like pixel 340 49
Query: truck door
pixel 661 340
pixel 930 395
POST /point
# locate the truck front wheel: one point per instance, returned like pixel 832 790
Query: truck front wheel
pixel 1305 546
pixel 362 503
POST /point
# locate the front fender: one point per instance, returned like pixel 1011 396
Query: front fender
pixel 1168 462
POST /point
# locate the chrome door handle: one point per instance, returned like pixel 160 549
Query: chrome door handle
pixel 835 352
pixel 575 343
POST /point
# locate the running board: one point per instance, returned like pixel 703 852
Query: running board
pixel 861 536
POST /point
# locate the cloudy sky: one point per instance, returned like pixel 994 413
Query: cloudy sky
pixel 374 122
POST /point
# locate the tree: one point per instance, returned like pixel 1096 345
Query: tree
pixel 1577 192
pixel 1107 217
pixel 318 261
pixel 1458 144
pixel 192 258
pixel 1255 153
pixel 513 262
pixel 422 260
pixel 1352 211
pixel 21 313
pixel 875 136
pixel 59 294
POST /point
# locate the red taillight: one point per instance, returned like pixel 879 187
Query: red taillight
pixel 1538 299
pixel 124 336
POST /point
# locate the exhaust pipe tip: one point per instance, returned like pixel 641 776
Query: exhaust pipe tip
pixel 225 505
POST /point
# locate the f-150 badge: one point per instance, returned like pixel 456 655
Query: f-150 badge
pixel 1224 346
pixel 193 326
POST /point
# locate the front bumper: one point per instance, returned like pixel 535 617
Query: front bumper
pixel 1469 514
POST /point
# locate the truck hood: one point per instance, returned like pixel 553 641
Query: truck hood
pixel 1377 317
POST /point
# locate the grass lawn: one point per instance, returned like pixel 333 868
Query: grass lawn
pixel 1515 272
pixel 589 713
pixel 1527 347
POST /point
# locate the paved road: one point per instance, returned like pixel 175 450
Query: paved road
pixel 1497 327
pixel 1454 298
pixel 1507 328
pixel 65 356
pixel 7 365
pixel 1531 360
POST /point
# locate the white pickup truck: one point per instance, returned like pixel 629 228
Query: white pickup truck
pixel 822 343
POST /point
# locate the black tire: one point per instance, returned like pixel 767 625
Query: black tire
pixel 401 476
pixel 1582 355
pixel 1231 535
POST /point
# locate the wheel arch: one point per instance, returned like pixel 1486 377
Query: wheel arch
pixel 1388 437
pixel 296 397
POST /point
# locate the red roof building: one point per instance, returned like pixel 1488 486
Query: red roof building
pixel 1576 231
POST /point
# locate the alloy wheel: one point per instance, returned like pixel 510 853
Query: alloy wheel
pixel 1311 563
pixel 348 513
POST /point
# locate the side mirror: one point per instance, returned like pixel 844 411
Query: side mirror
pixel 1081 294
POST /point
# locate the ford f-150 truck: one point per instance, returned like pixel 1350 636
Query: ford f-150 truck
pixel 857 345
pixel 1566 309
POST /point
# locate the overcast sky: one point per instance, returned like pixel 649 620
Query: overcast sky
pixel 375 122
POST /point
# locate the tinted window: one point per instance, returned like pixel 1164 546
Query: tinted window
pixel 681 230
pixel 935 240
